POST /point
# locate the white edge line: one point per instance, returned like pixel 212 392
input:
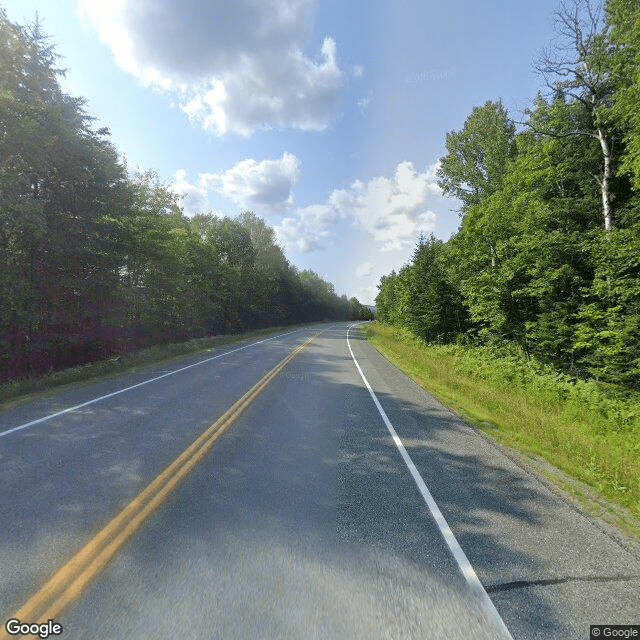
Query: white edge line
pixel 139 384
pixel 463 562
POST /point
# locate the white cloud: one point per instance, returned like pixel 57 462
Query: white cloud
pixel 432 179
pixel 367 295
pixel 394 211
pixel 234 66
pixel 265 187
pixel 365 269
pixel 194 198
pixel 308 230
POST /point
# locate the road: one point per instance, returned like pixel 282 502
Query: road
pixel 302 520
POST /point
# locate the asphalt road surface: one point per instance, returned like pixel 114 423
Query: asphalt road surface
pixel 303 519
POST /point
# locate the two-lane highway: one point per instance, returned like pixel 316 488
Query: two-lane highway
pixel 302 520
pixel 70 462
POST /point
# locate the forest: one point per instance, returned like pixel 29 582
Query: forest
pixel 546 259
pixel 99 260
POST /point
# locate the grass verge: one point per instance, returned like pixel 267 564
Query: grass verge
pixel 590 434
pixel 21 391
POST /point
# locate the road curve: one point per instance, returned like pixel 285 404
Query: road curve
pixel 302 520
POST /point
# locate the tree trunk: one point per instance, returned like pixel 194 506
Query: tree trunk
pixel 606 178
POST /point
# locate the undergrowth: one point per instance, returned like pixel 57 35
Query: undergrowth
pixel 589 430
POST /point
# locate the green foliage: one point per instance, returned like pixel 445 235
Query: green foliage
pixel 583 427
pixel 608 336
pixel 477 155
pixel 386 300
pixel 532 263
pixel 59 185
pixel 623 16
pixel 98 262
pixel 424 298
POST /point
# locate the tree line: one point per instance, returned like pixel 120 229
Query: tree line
pixel 547 255
pixel 97 261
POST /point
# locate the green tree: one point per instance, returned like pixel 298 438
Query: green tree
pixel 60 187
pixel 434 308
pixel 477 159
pixel 386 300
pixel 577 71
pixel 267 302
pixel 152 241
pixel 623 17
pixel 607 337
pixel 477 155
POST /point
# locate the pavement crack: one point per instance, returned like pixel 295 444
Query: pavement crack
pixel 520 584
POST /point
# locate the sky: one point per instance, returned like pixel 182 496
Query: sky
pixel 325 118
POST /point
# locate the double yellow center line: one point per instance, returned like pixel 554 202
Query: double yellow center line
pixel 69 581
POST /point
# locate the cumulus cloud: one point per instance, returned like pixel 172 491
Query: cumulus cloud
pixel 365 269
pixel 194 198
pixel 257 185
pixel 265 187
pixel 309 229
pixel 394 211
pixel 235 66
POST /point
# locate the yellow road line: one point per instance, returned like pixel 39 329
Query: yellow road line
pixel 70 580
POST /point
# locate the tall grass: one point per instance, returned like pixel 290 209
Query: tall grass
pixel 590 431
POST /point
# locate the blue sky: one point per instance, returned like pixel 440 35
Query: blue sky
pixel 327 118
